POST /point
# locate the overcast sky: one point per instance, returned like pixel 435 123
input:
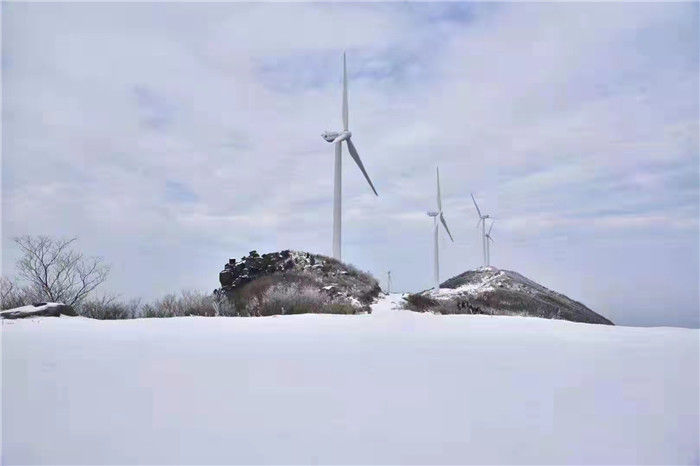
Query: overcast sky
pixel 170 137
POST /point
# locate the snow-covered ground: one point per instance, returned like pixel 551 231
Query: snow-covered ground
pixel 391 387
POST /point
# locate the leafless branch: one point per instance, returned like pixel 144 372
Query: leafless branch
pixel 57 272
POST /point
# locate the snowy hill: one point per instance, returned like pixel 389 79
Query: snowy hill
pixel 492 291
pixel 387 387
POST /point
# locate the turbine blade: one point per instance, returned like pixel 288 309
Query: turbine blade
pixel 491 239
pixel 345 95
pixel 356 158
pixel 444 223
pixel 475 205
pixel 489 232
pixel 439 197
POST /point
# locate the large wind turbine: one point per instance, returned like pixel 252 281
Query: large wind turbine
pixel 488 245
pixel 337 138
pixel 482 220
pixel 435 216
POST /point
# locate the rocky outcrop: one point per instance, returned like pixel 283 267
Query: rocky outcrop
pixel 38 310
pixel 492 291
pixel 293 282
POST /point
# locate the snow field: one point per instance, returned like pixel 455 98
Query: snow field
pixel 390 387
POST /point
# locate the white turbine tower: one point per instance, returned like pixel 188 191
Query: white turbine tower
pixel 435 216
pixel 337 138
pixel 482 220
pixel 488 245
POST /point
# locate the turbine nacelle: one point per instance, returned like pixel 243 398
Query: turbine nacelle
pixel 482 219
pixel 334 136
pixel 432 213
pixel 330 136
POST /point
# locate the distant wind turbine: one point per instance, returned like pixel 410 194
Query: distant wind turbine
pixel 388 282
pixel 488 245
pixel 435 216
pixel 482 220
pixel 337 138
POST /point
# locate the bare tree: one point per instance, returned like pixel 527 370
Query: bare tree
pixel 55 271
pixel 11 295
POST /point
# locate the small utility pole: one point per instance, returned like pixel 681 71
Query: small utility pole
pixel 388 282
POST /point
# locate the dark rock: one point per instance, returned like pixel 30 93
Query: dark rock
pixel 38 310
pixel 226 277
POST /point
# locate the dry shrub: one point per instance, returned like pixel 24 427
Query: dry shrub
pixel 11 295
pixel 292 298
pixel 109 309
pixel 288 293
pixel 223 306
pixel 420 303
pixel 188 303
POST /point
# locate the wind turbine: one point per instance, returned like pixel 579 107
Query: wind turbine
pixel 488 246
pixel 482 220
pixel 435 216
pixel 388 282
pixel 337 138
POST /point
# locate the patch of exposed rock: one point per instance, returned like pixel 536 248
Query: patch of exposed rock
pixel 492 291
pixel 38 310
pixel 293 282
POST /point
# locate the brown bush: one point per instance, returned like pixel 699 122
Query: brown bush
pixel 109 309
pixel 420 303
pixel 288 293
pixel 188 303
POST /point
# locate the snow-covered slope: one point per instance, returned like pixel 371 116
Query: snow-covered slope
pixel 492 291
pixel 387 387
